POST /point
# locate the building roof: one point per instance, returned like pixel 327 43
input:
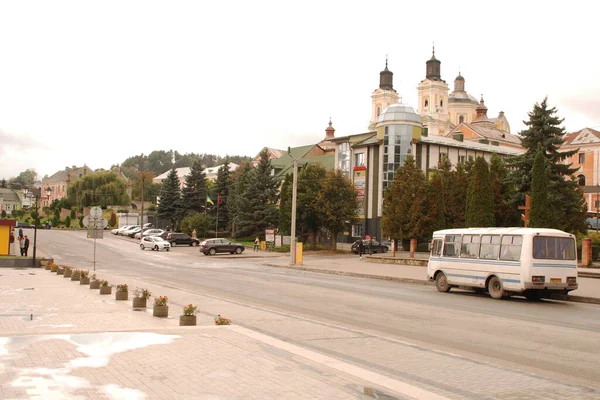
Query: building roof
pixel 462 97
pixel 399 112
pixel 71 172
pixel 181 173
pixel 9 195
pixel 582 136
pixel 491 133
pixel 470 145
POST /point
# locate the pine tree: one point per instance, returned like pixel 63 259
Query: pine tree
pixel 545 134
pixel 505 213
pixel 337 200
pixel 436 203
pixel 285 205
pixel 221 194
pixel 259 210
pixel 405 204
pixel 170 199
pixel 541 215
pixel 237 200
pixel 480 206
pixel 194 193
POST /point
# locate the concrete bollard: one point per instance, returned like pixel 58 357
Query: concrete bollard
pixel 413 247
pixel 586 252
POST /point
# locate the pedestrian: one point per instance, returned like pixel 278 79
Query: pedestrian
pixel 20 232
pixel 361 248
pixel 256 243
pixel 21 244
pixel 26 245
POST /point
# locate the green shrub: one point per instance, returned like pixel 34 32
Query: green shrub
pixel 68 221
pixel 152 207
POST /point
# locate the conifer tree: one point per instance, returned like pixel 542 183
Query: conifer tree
pixel 237 199
pixel 221 194
pixel 170 199
pixel 545 134
pixel 285 205
pixel 194 192
pixel 480 200
pixel 337 200
pixel 540 215
pixel 505 213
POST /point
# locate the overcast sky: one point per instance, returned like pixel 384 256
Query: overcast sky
pixel 97 82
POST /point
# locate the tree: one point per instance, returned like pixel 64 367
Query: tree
pixel 237 200
pixel 480 200
pixel 404 213
pixel 545 134
pixel 541 215
pixel 99 188
pixel 68 221
pixel 72 213
pixel 194 191
pixel 26 178
pixel 337 200
pixel 259 211
pixel 199 222
pixel 221 193
pixel 505 213
pixel 435 219
pixel 285 205
pixel 3 183
pixel 170 198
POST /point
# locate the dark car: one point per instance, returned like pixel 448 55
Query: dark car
pixel 214 246
pixel 177 238
pixel 376 247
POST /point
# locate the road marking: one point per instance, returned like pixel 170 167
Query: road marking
pixel 381 380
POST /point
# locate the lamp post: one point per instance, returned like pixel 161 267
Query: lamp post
pixel 36 197
pixel 293 228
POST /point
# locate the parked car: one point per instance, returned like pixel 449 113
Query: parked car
pixel 592 224
pixel 376 247
pixel 154 243
pixel 149 232
pixel 131 233
pixel 214 246
pixel 177 238
pixel 125 232
pixel 121 229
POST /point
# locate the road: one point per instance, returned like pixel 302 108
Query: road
pixel 462 343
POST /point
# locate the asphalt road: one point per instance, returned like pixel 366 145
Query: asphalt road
pixel 407 331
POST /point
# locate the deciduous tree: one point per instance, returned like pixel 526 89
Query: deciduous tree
pixel 337 201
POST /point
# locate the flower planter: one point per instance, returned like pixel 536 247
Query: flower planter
pixel 121 295
pixel 105 289
pixel 84 281
pixel 161 311
pixel 187 320
pixel 139 302
pixel 60 271
pixel 67 273
pixel 95 285
pixel 75 277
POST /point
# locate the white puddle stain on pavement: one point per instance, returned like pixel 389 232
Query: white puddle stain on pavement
pixel 58 383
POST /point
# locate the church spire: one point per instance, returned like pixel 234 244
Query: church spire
pixel 386 77
pixel 433 68
pixel 330 131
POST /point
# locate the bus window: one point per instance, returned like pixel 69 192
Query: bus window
pixel 490 244
pixel 553 248
pixel 511 247
pixel 451 245
pixel 470 246
pixel 436 247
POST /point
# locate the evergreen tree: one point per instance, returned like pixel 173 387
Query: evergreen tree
pixel 435 218
pixel 237 200
pixel 221 191
pixel 3 184
pixel 259 210
pixel 404 215
pixel 480 206
pixel 545 134
pixel 193 199
pixel 285 206
pixel 337 201
pixel 540 215
pixel 505 213
pixel 170 199
pixel 457 186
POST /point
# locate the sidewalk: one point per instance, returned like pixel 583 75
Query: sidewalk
pixel 60 339
pixel 380 266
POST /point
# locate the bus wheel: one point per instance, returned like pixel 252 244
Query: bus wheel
pixel 495 288
pixel 441 282
pixel 532 295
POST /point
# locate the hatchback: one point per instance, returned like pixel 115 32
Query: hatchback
pixel 154 243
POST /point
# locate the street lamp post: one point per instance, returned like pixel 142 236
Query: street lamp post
pixel 293 233
pixel 36 197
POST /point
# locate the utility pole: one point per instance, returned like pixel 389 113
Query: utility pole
pixel 293 234
pixel 142 222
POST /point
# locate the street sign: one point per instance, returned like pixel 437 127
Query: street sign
pixel 96 212
pixel 95 234
pixel 98 223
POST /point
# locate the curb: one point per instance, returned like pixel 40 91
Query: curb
pixel 562 297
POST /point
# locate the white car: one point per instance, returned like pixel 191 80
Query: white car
pixel 116 230
pixel 149 232
pixel 126 232
pixel 154 243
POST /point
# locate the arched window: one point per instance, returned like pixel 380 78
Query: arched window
pixel 461 119
pixel 426 103
pixel 442 103
pixel 581 179
pixel 378 111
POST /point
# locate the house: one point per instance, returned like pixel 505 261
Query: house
pixel 60 181
pixel 10 200
pixel 211 173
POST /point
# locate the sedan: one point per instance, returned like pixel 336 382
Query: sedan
pixel 116 230
pixel 214 246
pixel 149 232
pixel 376 247
pixel 154 243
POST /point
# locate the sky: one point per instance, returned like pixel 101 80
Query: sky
pixel 94 83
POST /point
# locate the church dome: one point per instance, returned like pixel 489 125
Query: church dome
pixel 399 112
pixel 462 97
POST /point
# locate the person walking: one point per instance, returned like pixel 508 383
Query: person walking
pixel 25 246
pixel 256 243
pixel 361 248
pixel 20 232
pixel 21 244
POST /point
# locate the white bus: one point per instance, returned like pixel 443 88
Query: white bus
pixel 504 261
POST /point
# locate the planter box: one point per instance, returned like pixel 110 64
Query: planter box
pixel 84 281
pixel 95 285
pixel 121 295
pixel 47 266
pixel 187 320
pixel 161 311
pixel 75 277
pixel 139 302
pixel 67 273
pixel 60 271
pixel 105 289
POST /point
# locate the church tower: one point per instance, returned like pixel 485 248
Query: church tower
pixel 433 98
pixel 384 96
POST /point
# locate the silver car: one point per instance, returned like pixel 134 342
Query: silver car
pixel 154 243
